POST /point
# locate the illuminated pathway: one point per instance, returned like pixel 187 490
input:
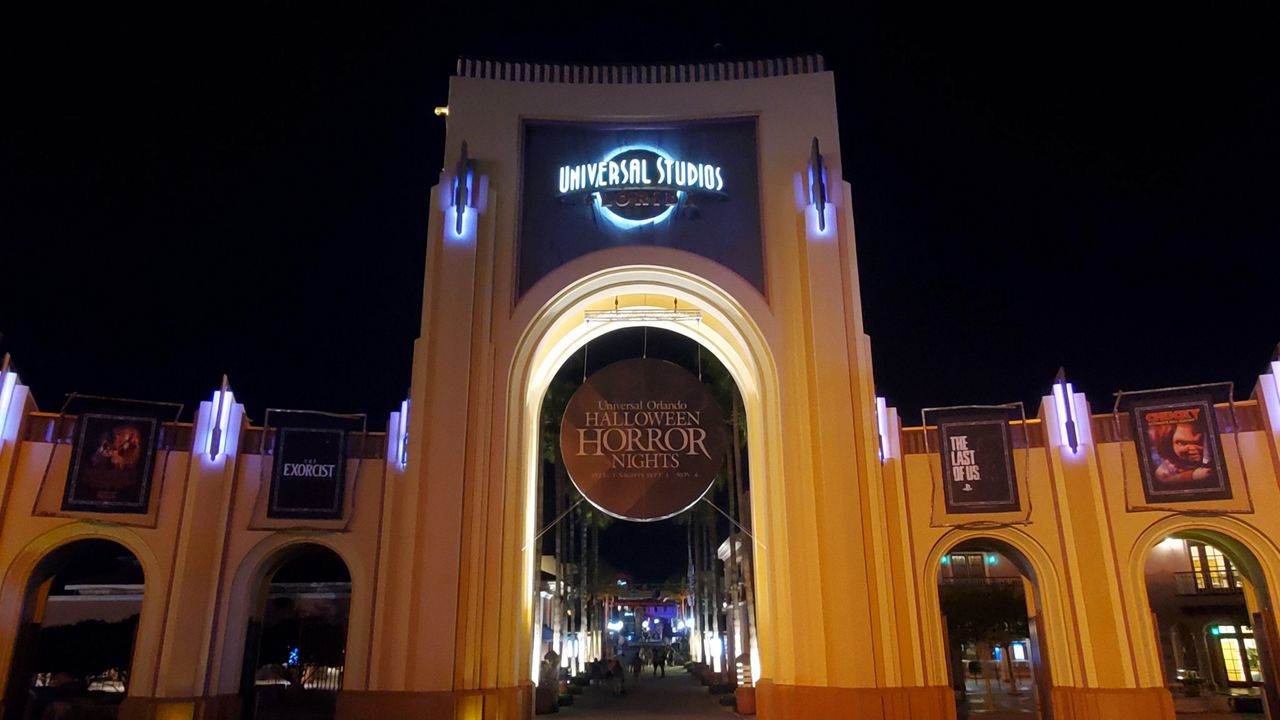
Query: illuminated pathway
pixel 678 696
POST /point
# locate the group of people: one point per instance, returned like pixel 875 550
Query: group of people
pixel 613 671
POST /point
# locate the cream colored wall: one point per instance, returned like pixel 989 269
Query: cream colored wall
pixel 1087 549
pixel 202 565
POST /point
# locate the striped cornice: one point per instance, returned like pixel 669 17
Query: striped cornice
pixel 639 74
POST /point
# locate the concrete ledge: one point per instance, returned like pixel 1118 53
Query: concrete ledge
pixel 1071 703
pixel 804 702
pixel 514 703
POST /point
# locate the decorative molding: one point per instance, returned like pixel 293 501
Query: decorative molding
pixel 639 74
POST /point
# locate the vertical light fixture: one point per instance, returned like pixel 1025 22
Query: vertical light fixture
pixel 1275 385
pixel 219 420
pixel 882 427
pixel 8 383
pixel 462 197
pixel 402 436
pixel 1064 399
pixel 818 197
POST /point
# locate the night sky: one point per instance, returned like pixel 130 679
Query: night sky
pixel 183 195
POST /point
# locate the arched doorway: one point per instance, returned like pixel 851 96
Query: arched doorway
pixel 295 644
pixel 661 594
pixel 1213 622
pixel 74 648
pixel 557 328
pixel 992 625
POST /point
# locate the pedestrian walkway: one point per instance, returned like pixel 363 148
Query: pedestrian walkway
pixel 678 696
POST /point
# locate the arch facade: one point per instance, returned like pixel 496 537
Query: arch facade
pixel 847 503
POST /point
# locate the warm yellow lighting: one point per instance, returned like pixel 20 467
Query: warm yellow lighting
pixel 442 111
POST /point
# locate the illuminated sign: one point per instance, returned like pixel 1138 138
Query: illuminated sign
pixel 687 185
pixel 639 184
pixel 642 439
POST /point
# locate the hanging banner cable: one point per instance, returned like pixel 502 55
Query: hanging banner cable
pixel 553 523
pixel 735 523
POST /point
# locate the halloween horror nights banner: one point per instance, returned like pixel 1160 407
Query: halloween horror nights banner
pixel 692 186
pixel 977 458
pixel 1179 450
pixel 308 473
pixel 642 439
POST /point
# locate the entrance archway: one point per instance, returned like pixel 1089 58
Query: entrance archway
pixel 725 329
pixel 991 616
pixel 1212 621
pixel 74 647
pixel 695 607
pixel 295 642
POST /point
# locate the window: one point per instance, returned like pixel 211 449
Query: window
pixel 1234 662
pixel 1213 571
pixel 1239 653
pixel 968 565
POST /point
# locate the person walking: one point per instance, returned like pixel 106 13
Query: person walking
pixel 636 665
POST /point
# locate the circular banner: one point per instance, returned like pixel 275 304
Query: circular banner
pixel 642 439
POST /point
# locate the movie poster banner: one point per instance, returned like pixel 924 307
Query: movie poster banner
pixel 308 477
pixel 1179 449
pixel 112 458
pixel 642 439
pixel 976 450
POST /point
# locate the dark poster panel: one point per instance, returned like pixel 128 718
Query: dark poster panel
pixel 977 459
pixel 308 476
pixel 692 186
pixel 1176 433
pixel 642 439
pixel 111 463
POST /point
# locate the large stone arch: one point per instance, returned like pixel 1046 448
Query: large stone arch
pixel 19 574
pixel 729 329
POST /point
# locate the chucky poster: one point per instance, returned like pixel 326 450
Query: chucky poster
pixel 1177 439
pixel 111 462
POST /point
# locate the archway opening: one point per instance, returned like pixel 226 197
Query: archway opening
pixel 987 592
pixel 1214 625
pixel 74 648
pixel 654 610
pixel 295 645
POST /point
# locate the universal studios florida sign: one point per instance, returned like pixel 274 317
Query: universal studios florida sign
pixel 642 439
pixel 639 184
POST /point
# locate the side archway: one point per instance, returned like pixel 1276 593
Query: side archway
pixel 1204 588
pixel 80 622
pixel 977 575
pixel 289 626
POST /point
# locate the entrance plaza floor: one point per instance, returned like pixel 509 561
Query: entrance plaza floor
pixel 678 696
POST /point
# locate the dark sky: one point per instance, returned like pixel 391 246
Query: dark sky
pixel 187 195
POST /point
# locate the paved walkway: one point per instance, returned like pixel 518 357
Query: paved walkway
pixel 678 696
